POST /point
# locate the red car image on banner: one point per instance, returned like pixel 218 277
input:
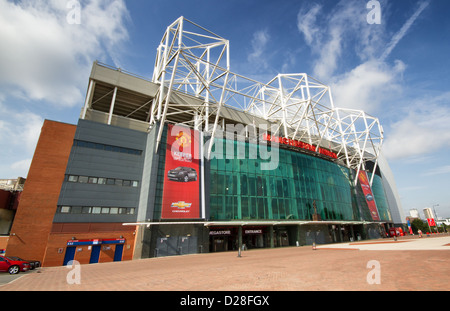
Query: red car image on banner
pixel 370 199
pixel 181 198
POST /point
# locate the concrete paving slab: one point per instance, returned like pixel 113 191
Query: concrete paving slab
pixel 425 243
pixel 417 265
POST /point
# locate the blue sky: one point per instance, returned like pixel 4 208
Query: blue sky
pixel 397 70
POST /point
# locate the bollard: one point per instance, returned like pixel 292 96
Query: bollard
pixel 314 246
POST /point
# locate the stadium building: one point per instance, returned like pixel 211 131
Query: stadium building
pixel 200 159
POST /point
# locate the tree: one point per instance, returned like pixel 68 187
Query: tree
pixel 418 224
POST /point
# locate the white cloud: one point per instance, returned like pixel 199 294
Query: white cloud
pixel 368 86
pixel 19 134
pixel 327 33
pixel 259 44
pixel 351 55
pixel 438 171
pixel 21 167
pixel 43 57
pixel 423 129
pixel 306 22
pixel 402 32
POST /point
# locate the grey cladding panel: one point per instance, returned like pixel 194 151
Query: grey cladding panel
pixel 91 162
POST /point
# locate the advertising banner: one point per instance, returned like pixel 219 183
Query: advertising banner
pixel 431 222
pixel 181 198
pixel 370 199
pixel 409 226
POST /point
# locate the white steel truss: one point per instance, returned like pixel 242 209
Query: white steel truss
pixel 194 61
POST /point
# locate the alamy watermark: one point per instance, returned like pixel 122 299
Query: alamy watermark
pixel 374 275
pixel 241 142
pixel 73 16
pixel 73 276
pixel 374 15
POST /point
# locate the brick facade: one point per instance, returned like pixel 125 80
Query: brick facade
pixel 34 216
pixel 63 232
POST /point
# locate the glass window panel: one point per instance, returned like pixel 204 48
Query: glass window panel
pixel 281 209
pixel 221 183
pixel 96 210
pixel 253 208
pixel 127 183
pixel 75 210
pixel 65 209
pixel 244 188
pixel 99 146
pixel 110 181
pixel 114 210
pixel 86 210
pixel 73 178
pixel 101 181
pixel 261 212
pixel 92 180
pixel 83 179
pixel 252 185
pixel 275 214
pixel 105 210
pixel 244 207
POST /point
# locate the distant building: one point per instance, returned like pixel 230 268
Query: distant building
pixel 428 212
pixel 414 213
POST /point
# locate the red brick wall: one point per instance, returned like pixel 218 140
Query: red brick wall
pixel 33 221
pixel 63 232
pixel 3 241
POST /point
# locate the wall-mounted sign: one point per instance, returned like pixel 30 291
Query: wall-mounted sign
pixel 253 231
pixel 95 242
pixel 299 144
pixel 220 232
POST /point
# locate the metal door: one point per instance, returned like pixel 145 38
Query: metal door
pixel 95 254
pixel 69 256
pixel 118 252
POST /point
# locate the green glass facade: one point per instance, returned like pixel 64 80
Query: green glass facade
pixel 240 190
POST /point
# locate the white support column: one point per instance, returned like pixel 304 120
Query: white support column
pixel 88 98
pixel 111 109
pixel 166 106
pixel 202 176
pixel 222 96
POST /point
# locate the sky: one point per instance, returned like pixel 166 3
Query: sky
pixel 387 57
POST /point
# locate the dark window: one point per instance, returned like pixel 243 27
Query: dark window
pixel 83 179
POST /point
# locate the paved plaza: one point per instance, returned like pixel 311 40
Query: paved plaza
pixel 408 264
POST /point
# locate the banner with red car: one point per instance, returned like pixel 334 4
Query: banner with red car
pixel 181 198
